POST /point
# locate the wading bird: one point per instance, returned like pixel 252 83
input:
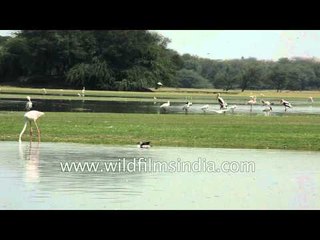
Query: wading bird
pixel 232 108
pixel 144 144
pixel 267 110
pixel 251 102
pixel 28 104
pixel 31 116
pixel 83 91
pixel 265 103
pixel 187 106
pixel 165 106
pixel 222 103
pixel 205 108
pixel 286 104
pixel 310 99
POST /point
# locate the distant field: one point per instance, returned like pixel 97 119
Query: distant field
pixel 285 132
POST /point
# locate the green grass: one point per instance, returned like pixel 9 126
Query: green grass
pixel 285 132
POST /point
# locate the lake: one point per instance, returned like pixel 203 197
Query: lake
pixel 34 176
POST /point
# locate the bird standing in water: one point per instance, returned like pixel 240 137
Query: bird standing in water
pixel 28 104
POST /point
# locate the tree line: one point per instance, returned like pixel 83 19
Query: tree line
pixel 137 60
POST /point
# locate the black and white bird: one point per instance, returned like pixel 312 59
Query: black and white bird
pixel 205 108
pixel 28 104
pixel 144 144
pixel 165 106
pixel 267 110
pixel 286 104
pixel 186 106
pixel 222 103
pixel 265 103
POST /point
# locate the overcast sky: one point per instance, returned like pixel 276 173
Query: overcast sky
pixel 231 44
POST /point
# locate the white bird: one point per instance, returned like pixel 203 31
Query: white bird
pixel 205 108
pixel 28 104
pixel 187 106
pixel 252 102
pixel 265 103
pixel 31 116
pixel 267 110
pixel 83 91
pixel 286 104
pixel 159 84
pixel 310 99
pixel 221 111
pixel 44 91
pixel 165 106
pixel 222 103
pixel 232 108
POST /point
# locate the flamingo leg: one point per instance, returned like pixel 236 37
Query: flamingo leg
pixel 38 131
pixel 31 130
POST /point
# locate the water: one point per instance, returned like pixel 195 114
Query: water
pixel 31 178
pixel 147 107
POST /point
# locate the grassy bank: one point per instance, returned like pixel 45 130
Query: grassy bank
pixel 286 132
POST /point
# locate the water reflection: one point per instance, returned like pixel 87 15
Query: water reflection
pixel 30 153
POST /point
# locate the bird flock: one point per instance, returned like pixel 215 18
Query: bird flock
pixel 31 116
pixel 224 107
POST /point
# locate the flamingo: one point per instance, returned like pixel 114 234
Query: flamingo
pixel 31 116
pixel 223 104
pixel 165 106
pixel 286 104
pixel 204 108
pixel 251 102
pixel 28 104
pixel 187 106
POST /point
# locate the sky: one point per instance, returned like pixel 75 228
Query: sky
pixel 234 44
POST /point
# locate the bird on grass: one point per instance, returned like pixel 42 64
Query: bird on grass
pixel 31 117
pixel 144 144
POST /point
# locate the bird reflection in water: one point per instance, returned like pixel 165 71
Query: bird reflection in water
pixel 30 153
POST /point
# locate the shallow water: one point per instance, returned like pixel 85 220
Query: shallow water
pixel 148 107
pixel 31 178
